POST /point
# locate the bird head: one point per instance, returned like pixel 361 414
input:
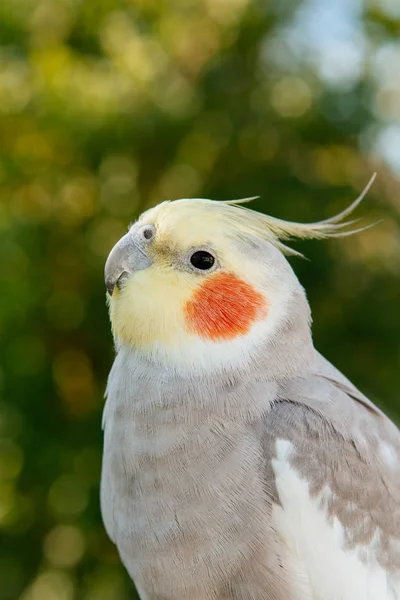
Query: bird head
pixel 199 284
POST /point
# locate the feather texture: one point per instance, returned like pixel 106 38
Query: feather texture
pixel 277 230
pixel 238 463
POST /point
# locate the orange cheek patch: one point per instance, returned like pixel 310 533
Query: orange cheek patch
pixel 224 307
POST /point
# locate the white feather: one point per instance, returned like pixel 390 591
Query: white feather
pixel 315 546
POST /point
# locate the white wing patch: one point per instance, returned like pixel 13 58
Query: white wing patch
pixel 315 545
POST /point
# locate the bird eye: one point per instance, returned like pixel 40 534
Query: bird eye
pixel 148 232
pixel 202 260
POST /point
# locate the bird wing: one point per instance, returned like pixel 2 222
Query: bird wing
pixel 332 461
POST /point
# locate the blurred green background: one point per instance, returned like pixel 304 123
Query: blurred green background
pixel 108 107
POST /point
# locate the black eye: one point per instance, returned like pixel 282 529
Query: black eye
pixel 202 260
pixel 148 233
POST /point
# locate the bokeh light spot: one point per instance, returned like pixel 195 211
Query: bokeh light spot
pixel 64 546
pixel 50 585
pixel 76 200
pixel 11 459
pixel 180 181
pixel 32 202
pixel 73 375
pixel 7 501
pixel 67 496
pixel 291 97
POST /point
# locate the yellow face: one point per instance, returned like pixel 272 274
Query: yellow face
pixel 196 286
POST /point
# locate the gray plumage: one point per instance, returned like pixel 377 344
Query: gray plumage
pixel 275 479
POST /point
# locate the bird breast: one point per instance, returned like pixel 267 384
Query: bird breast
pixel 181 501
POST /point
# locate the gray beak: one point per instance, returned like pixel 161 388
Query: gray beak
pixel 125 258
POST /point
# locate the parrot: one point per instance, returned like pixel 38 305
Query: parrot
pixel 238 463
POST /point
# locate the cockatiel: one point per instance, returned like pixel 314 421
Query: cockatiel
pixel 238 463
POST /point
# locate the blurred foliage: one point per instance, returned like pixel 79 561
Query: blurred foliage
pixel 110 106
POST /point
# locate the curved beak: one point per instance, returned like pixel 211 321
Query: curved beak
pixel 125 258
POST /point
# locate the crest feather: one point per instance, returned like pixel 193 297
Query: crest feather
pixel 277 231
